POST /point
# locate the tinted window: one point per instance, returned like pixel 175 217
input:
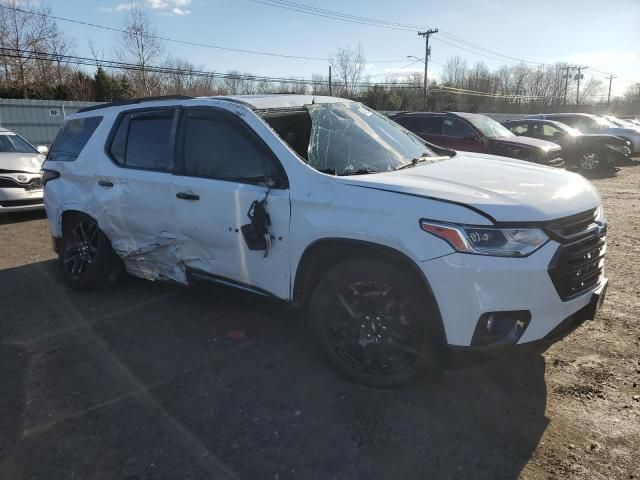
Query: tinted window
pixel 71 138
pixel 521 129
pixel 550 131
pixel 216 145
pixel 144 139
pixel 10 143
pixel 433 125
pixel 456 128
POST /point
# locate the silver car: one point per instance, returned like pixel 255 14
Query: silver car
pixel 20 182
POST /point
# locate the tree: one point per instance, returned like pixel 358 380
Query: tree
pixel 140 45
pixel 348 65
pixel 23 39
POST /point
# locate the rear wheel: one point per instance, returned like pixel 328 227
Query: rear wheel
pixel 86 257
pixel 375 324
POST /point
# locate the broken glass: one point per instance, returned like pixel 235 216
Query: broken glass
pixel 349 138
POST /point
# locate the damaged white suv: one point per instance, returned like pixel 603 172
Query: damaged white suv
pixel 394 250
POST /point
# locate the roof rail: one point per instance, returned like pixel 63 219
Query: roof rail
pixel 133 101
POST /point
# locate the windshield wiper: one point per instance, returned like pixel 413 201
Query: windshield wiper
pixel 412 163
pixel 361 171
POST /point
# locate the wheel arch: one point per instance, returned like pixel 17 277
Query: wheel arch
pixel 322 255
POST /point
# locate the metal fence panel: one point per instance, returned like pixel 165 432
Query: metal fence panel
pixel 37 120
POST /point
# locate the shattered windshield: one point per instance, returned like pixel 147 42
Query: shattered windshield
pixel 349 138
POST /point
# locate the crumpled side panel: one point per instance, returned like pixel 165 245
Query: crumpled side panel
pixel 154 259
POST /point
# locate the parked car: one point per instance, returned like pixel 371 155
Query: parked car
pixel 20 183
pixel 471 132
pixel 588 123
pixel 622 123
pixel 392 251
pixel 585 153
pixel 633 120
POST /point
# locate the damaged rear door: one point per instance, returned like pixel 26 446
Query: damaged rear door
pixel 231 203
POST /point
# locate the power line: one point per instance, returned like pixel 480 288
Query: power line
pixel 85 61
pixel 184 42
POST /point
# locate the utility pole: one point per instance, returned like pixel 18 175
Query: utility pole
pixel 610 78
pixel 427 51
pixel 566 80
pixel 579 77
pixel 330 89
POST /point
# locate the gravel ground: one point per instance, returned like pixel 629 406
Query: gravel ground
pixel 151 381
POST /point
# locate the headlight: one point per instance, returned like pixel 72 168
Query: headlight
pixel 600 217
pixel 501 242
pixel 618 148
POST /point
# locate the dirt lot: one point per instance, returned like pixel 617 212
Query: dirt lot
pixel 151 381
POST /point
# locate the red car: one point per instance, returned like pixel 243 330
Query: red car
pixel 471 132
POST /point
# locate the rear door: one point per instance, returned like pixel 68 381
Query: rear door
pixel 135 192
pixel 222 169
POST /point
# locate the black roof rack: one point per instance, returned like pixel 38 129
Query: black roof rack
pixel 133 101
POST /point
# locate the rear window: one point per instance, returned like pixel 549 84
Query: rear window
pixel 71 138
pixel 143 140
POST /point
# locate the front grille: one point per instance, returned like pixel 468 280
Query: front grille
pixel 33 184
pixel 577 265
pixel 574 227
pixel 20 203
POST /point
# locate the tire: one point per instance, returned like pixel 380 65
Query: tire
pixel 375 324
pixel 590 162
pixel 86 258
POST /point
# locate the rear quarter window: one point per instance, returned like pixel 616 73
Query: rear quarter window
pixel 71 138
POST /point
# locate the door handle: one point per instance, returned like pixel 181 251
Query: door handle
pixel 105 183
pixel 187 196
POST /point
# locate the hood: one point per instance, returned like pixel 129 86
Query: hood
pixel 505 189
pixel 20 162
pixel 604 138
pixel 534 142
pixel 626 132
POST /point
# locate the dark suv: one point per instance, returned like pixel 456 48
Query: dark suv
pixel 471 132
pixel 586 153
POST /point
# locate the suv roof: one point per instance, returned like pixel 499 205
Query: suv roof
pixel 439 114
pixel 257 102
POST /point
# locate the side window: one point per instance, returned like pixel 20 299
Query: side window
pixel 143 139
pixel 549 131
pixel 521 129
pixel 413 124
pixel 216 145
pixel 433 125
pixel 71 138
pixel 456 128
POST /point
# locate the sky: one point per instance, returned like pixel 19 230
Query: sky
pixel 603 35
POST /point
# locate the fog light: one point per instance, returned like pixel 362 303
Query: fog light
pixel 500 327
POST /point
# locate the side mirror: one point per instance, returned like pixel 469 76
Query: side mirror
pixel 558 134
pixel 42 149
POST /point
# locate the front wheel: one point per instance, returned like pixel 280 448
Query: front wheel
pixel 375 324
pixel 590 162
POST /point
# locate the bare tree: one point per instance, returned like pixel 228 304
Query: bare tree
pixel 23 38
pixel 349 64
pixel 140 45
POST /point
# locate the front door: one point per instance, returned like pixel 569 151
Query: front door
pixel 222 169
pixel 461 136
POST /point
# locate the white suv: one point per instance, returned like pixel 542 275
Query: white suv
pixel 394 250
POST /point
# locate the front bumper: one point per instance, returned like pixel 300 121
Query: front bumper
pixel 468 286
pixel 19 200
